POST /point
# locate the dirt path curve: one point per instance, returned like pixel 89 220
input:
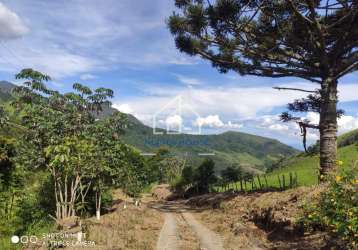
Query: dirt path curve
pixel 209 240
pixel 168 237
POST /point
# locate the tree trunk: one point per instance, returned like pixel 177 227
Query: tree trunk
pixel 328 126
pixel 98 205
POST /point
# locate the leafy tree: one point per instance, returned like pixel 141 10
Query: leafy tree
pixel 56 125
pixel 136 172
pixel 11 179
pixel 67 163
pixel 204 175
pixel 187 175
pixel 109 157
pixel 231 174
pixel 3 117
pixel 312 40
pixel 157 164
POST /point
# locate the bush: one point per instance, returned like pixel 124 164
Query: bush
pixel 337 208
pixel 89 208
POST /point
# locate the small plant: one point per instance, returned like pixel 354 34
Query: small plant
pixel 337 208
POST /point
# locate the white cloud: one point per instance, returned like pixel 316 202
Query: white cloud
pixel 124 108
pixel 312 117
pixel 346 123
pixel 212 121
pixel 188 80
pixel 76 37
pixel 278 127
pixel 233 125
pixel 231 103
pixel 11 26
pixel 174 121
pixel 87 76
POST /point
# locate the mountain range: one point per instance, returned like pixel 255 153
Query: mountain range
pixel 253 153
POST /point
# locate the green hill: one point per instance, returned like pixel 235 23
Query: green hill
pixel 306 166
pixel 5 90
pixel 254 153
pixel 250 151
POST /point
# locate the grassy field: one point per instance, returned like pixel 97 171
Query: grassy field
pixel 304 166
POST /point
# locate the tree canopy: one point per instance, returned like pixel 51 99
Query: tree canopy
pixel 312 39
pixel 308 39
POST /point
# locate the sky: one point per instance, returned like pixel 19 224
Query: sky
pixel 125 45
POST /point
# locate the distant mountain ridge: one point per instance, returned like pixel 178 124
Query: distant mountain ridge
pixel 252 152
pixel 5 90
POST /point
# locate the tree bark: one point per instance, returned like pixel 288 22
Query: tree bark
pixel 328 126
pixel 98 205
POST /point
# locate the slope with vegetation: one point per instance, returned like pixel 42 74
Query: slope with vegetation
pixel 253 153
pixel 58 162
pixel 307 165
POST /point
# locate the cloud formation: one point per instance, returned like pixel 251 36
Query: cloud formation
pixel 11 26
pixel 87 76
pixel 232 103
pixel 70 38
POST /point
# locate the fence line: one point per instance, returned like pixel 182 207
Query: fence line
pixel 260 183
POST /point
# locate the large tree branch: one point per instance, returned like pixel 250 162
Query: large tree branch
pixel 298 13
pixel 349 64
pixel 351 68
pixel 296 89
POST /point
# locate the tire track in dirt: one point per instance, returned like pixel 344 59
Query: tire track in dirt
pixel 179 219
pixel 209 240
pixel 168 237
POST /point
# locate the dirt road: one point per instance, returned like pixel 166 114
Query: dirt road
pixel 170 239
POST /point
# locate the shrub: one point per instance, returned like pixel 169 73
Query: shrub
pixel 337 208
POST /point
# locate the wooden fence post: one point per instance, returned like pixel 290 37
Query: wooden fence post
pixel 266 182
pixel 279 181
pixel 258 179
pixel 283 181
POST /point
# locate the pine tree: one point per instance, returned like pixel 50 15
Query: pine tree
pixel 310 39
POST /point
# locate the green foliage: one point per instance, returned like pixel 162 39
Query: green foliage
pixel 197 180
pixel 306 165
pixel 337 208
pixel 250 151
pixel 7 166
pixel 182 182
pixel 268 38
pixel 90 205
pixel 347 139
pixel 231 174
pixel 60 135
pixel 3 117
pixel 204 176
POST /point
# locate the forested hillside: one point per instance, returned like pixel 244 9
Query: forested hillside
pixel 253 153
pixel 230 148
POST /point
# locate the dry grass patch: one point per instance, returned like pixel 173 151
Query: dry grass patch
pixel 254 220
pixel 131 228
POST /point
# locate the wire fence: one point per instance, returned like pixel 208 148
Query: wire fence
pixel 261 183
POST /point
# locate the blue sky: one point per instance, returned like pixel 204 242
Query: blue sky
pixel 125 45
